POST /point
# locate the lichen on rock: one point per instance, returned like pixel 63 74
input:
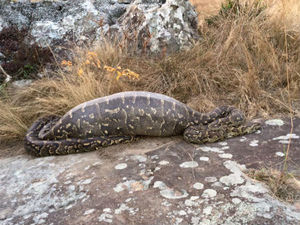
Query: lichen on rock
pixel 158 25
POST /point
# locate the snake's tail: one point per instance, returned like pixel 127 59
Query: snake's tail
pixel 248 128
pixel 206 134
pixel 39 147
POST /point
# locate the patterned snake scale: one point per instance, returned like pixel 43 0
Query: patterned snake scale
pixel 121 117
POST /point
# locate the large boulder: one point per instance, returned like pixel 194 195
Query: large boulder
pixel 152 181
pixel 51 23
pixel 29 29
pixel 170 25
pixel 55 22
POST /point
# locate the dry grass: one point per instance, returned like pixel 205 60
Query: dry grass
pixel 284 186
pixel 206 8
pixel 285 13
pixel 240 60
pixel 281 12
pixel 57 95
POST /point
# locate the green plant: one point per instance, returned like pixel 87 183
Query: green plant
pixel 229 4
pixel 28 69
pixel 2 88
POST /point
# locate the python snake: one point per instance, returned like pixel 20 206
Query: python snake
pixel 121 117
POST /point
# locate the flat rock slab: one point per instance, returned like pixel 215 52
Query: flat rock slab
pixel 152 181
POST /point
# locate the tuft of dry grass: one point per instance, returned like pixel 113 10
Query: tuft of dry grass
pixel 73 84
pixel 285 14
pixel 12 125
pixel 284 186
pixel 206 8
pixel 241 60
pixel 280 12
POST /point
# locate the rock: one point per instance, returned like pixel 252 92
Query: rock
pixel 31 27
pixel 2 76
pixel 157 23
pixel 145 183
pixel 50 23
pixel 21 83
pixel 2 56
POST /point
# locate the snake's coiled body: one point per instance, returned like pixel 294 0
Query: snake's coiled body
pixel 120 117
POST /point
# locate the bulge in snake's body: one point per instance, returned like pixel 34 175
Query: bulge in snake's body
pixel 127 113
pixel 120 117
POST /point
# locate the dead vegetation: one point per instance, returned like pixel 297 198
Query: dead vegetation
pixel 283 186
pixel 245 58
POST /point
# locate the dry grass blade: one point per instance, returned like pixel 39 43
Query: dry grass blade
pixel 283 185
pixel 12 126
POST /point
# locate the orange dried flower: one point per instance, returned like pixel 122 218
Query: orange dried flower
pixel 80 72
pixel 66 63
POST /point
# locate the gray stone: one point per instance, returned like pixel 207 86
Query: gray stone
pixel 52 22
pixel 2 56
pixel 90 188
pixel 172 24
pixel 21 83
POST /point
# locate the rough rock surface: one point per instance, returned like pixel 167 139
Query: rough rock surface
pixel 50 23
pixel 151 181
pixel 170 23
